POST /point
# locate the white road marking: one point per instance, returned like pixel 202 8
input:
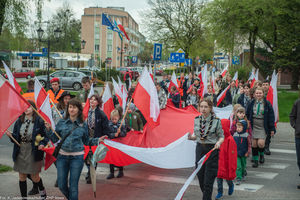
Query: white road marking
pixel 263 175
pixel 274 165
pixel 243 187
pixel 283 151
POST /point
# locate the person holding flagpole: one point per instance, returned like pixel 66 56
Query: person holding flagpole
pixel 28 156
pixel 84 93
pixel 209 135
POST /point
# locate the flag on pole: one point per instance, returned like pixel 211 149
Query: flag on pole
pixel 130 84
pixel 204 82
pixel 213 82
pixel 120 83
pixel 255 78
pixel 86 108
pixel 223 73
pixel 40 93
pixel 146 99
pixel 173 82
pixel 12 105
pixel 123 30
pixel 108 103
pixel 118 91
pixel 46 112
pixel 235 78
pixel 251 77
pixel 222 95
pixel 12 80
pixel 272 95
pixel 124 99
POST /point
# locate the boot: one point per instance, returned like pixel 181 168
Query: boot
pixel 120 174
pixel 255 164
pixel 110 176
pixel 34 190
pixel 23 189
pixel 43 194
pixel 267 150
pixel 261 158
pixel 112 171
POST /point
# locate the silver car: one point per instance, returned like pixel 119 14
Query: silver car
pixel 68 79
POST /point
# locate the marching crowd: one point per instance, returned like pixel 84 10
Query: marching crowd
pixel 247 132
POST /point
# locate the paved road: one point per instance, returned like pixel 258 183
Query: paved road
pixel 275 180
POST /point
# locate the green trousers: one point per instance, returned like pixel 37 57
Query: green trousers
pixel 241 167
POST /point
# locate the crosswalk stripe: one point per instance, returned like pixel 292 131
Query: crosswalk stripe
pixel 283 151
pixel 262 175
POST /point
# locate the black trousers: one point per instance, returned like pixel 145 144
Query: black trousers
pixel 209 170
pixel 268 140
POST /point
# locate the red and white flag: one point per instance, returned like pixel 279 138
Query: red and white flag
pixel 146 99
pixel 223 73
pixel 222 95
pixel 11 78
pixel 124 99
pixel 120 83
pixel 46 112
pixel 40 93
pixel 86 108
pixel 272 95
pixel 108 103
pixel 118 91
pixel 12 105
pixel 213 82
pixel 204 81
pixel 251 77
pixel 235 78
pixel 255 78
pixel 173 82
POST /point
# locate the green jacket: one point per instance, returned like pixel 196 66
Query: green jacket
pixel 81 94
pixel 134 120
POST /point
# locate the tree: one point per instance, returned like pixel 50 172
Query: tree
pixel 175 23
pixel 145 55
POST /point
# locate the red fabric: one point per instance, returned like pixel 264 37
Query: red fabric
pixel 12 105
pixel 108 107
pixel 227 154
pixel 222 95
pixel 252 83
pixel 123 30
pixel 86 109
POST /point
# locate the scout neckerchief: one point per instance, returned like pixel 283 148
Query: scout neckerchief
pixel 203 135
pixel 24 138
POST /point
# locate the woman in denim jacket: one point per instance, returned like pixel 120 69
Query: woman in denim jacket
pixel 70 157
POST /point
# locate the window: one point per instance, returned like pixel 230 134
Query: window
pixel 58 74
pixel 109 47
pixel 70 74
pixel 97 47
pixel 109 35
pixel 97 35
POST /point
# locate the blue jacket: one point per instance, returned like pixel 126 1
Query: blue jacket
pixel 269 117
pixel 113 128
pixel 241 143
pixel 38 128
pixel 77 139
pixel 101 123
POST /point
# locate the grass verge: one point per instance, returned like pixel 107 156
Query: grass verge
pixel 286 101
pixel 4 168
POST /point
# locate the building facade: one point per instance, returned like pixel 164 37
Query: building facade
pixel 103 43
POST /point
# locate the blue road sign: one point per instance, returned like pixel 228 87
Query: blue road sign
pixel 45 51
pixel 134 59
pixel 157 51
pixel 177 57
pixel 188 62
pixel 235 60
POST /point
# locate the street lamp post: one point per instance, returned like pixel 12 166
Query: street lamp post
pixel 40 33
pixel 83 42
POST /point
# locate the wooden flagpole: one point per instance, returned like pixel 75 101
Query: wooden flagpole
pixel 11 137
pixel 56 108
pixel 125 113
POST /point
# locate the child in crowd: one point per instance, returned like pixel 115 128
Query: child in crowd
pixel 232 116
pixel 115 132
pixel 133 119
pixel 243 142
pixel 175 97
pixel 193 98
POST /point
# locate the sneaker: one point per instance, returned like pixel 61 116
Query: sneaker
pixel 110 176
pixel 43 194
pixel 231 189
pixel 267 151
pixel 238 182
pixel 120 174
pixel 298 186
pixel 245 172
pixel 219 195
pixel 33 191
pixel 255 164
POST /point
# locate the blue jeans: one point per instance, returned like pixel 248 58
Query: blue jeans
pixel 220 184
pixel 297 141
pixel 74 165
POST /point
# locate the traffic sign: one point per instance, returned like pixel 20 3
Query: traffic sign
pixel 235 60
pixel 157 51
pixel 30 55
pixel 188 62
pixel 45 51
pixel 177 57
pixel 134 59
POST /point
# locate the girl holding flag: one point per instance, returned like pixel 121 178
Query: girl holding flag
pixel 209 136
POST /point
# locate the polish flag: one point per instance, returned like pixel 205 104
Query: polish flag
pixel 40 93
pixel 223 73
pixel 12 105
pixel 86 108
pixel 272 95
pixel 173 82
pixel 108 103
pixel 130 84
pixel 124 99
pixel 235 78
pixel 11 78
pixel 146 99
pixel 118 91
pixel 120 83
pixel 200 77
pixel 46 112
pixel 213 81
pixel 255 78
pixel 204 82
pixel 222 95
pixel 251 77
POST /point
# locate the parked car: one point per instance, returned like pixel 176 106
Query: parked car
pixel 23 73
pixel 159 72
pixel 68 79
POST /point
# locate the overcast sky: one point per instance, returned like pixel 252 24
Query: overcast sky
pixel 134 7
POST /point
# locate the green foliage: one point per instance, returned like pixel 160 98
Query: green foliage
pixel 243 71
pixel 43 72
pixel 177 71
pixel 145 55
pixel 109 73
pixel 5 168
pixel 286 100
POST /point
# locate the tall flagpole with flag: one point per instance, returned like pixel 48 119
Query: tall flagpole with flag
pixel 12 80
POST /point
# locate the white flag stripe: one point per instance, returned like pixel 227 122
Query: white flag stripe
pixel 106 94
pixel 9 74
pixel 92 92
pixel 117 89
pixel 37 88
pixel 46 109
pixel 235 76
pixel 174 80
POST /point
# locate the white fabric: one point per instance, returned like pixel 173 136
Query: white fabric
pixel 117 89
pixel 178 154
pixel 92 92
pixel 37 89
pixel 10 76
pixel 174 80
pixel 252 74
pixel 256 75
pixel 124 99
pixel 120 83
pixel 106 94
pixel 273 84
pixel 150 68
pixel 223 113
pixel 224 71
pixel 204 80
pixel 213 80
pixel 235 76
pixel 222 94
pixel 2 80
pixel 46 109
pixel 147 83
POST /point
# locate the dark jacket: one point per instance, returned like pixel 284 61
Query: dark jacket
pixel 136 121
pixel 175 99
pixel 269 117
pixel 241 140
pixel 113 128
pixel 101 123
pixel 295 118
pixel 241 101
pixel 38 128
pixel 185 86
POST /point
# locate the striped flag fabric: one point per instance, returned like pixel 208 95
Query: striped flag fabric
pixel 222 95
pixel 12 80
pixel 46 112
pixel 272 95
pixel 223 73
pixel 173 82
pixel 213 82
pixel 235 78
pixel 40 93
pixel 108 103
pixel 86 108
pixel 204 82
pixel 118 91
